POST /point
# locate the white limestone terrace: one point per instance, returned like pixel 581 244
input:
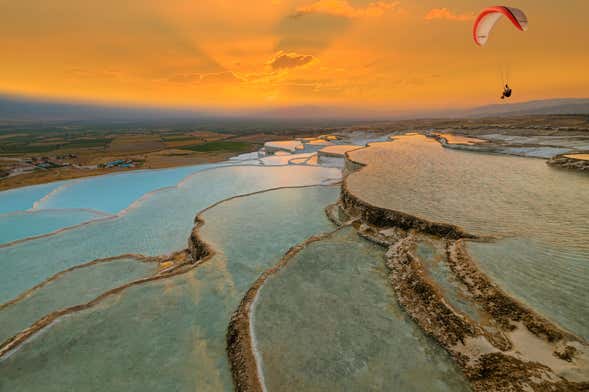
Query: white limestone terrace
pixel 283 145
pixel 300 144
pixel 338 150
pixel 49 208
pixel 582 157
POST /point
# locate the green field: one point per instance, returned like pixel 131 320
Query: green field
pixel 24 144
pixel 178 138
pixel 220 146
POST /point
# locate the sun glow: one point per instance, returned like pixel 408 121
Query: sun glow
pixel 367 54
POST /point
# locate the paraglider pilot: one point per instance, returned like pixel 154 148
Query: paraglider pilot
pixel 487 19
pixel 506 92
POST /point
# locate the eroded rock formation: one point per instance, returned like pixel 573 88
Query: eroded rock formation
pixel 240 347
pixel 513 349
pixel 569 161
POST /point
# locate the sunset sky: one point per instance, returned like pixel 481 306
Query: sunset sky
pixel 270 53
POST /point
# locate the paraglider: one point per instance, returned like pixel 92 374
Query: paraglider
pixel 487 19
pixel 506 92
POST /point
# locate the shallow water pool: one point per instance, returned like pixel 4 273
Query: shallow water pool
pixel 156 225
pixel 170 335
pixel 538 214
pixel 329 320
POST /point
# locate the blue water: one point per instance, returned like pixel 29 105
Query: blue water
pixel 159 224
pixel 169 335
pixel 71 288
pixel 24 198
pixel 23 224
pixel 526 268
pixel 109 194
pixel 329 321
pixel 112 193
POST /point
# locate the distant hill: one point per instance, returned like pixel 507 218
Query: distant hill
pixel 19 109
pixel 539 107
pixel 23 109
pixel 546 106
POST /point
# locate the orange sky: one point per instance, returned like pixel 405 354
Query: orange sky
pixel 232 53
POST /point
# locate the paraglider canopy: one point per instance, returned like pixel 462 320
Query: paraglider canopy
pixel 489 16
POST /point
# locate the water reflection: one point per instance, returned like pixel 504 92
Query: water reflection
pixel 459 139
pixel 541 213
pixel 485 194
pixel 584 157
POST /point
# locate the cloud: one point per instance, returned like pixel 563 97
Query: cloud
pixel 446 14
pixel 284 60
pixel 212 78
pixel 344 9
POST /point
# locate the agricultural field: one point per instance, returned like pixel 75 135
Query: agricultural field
pixel 34 156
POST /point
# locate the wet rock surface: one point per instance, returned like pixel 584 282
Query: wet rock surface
pixel 569 161
pixel 499 360
pixel 504 309
pixel 382 217
pixel 423 299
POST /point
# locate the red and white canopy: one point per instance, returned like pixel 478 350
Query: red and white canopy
pixel 488 17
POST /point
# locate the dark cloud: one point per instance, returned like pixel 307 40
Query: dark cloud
pixel 290 60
